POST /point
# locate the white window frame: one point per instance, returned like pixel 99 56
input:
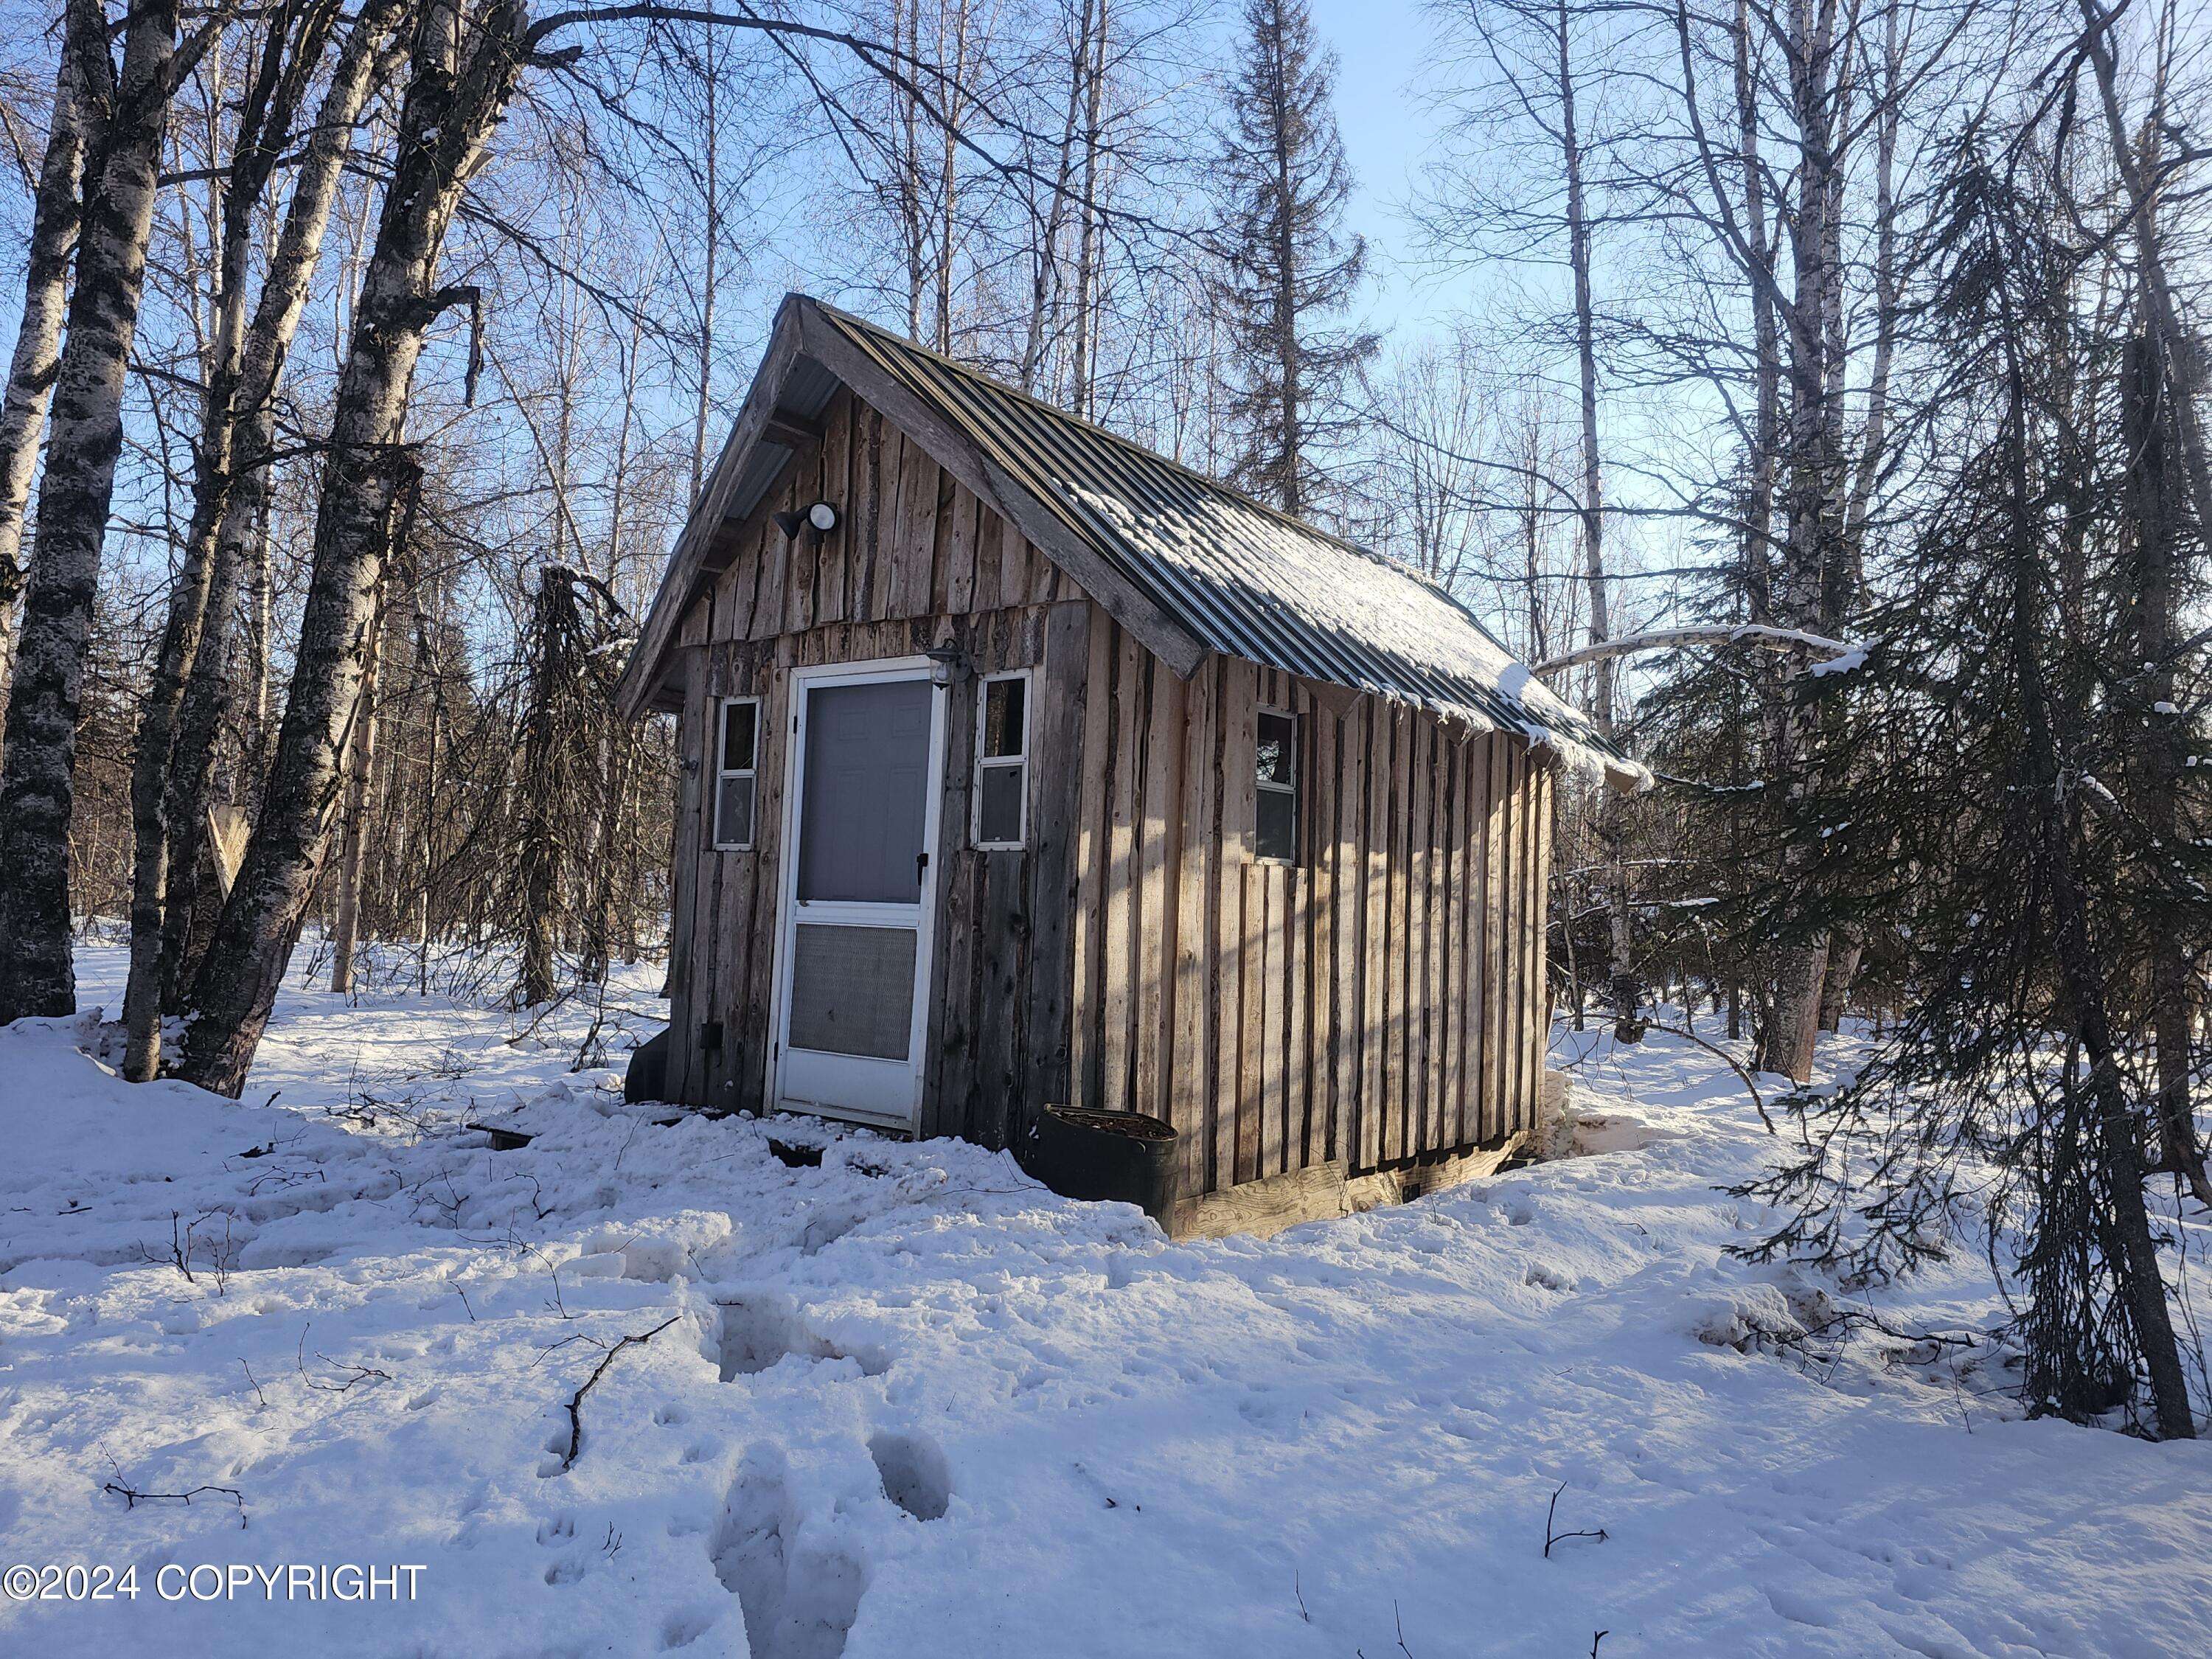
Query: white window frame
pixel 1293 789
pixel 1007 762
pixel 722 706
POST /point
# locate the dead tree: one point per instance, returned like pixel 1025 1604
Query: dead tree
pixel 568 791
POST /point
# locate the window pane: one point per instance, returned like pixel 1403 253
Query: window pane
pixel 733 812
pixel 1277 836
pixel 1002 716
pixel 739 721
pixel 1278 733
pixel 998 818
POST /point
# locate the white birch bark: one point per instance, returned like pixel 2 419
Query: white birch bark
pixel 465 62
pixel 127 116
pixel 237 433
pixel 55 210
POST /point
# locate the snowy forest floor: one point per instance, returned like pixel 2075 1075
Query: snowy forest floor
pixel 910 1404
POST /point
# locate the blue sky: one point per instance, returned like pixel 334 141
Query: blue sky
pixel 1381 45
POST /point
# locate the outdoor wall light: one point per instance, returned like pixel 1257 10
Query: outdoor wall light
pixel 821 517
pixel 948 665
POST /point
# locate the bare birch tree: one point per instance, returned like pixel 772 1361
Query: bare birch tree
pixel 54 214
pixel 244 360
pixel 127 112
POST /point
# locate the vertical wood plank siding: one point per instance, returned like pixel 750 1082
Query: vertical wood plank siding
pixel 1380 999
pixel 914 561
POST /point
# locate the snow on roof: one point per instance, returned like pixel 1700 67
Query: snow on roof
pixel 1240 577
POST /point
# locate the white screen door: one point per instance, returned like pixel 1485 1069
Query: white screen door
pixel 853 982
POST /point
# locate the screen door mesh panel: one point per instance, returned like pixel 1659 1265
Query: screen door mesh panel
pixel 852 990
pixel 866 795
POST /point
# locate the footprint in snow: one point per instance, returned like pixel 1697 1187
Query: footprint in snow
pixel 559 1530
pixel 915 1474
pixel 798 1603
pixel 684 1628
pixel 753 1332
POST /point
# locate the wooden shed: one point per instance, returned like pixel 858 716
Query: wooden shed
pixel 1023 765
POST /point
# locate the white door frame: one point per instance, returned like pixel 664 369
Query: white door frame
pixel 788 908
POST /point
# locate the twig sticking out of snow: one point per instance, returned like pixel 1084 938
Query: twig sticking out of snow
pixel 1552 1537
pixel 576 1400
pixel 1397 1614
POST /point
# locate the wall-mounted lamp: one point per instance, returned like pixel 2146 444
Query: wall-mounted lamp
pixel 948 665
pixel 821 517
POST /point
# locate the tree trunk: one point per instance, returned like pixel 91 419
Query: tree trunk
pixel 55 211
pixel 1044 275
pixel 2159 760
pixel 709 282
pixel 2160 312
pixel 239 406
pixel 1802 596
pixel 948 177
pixel 2166 465
pixel 361 759
pixel 461 79
pixel 2115 1139
pixel 37 971
pixel 1612 807
pixel 1848 943
pixel 1084 375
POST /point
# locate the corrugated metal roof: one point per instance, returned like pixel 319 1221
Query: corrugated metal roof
pixel 1241 577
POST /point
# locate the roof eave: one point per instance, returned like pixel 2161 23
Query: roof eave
pixel 639 690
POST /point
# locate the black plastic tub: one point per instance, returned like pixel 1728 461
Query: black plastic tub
pixel 647 1077
pixel 1124 1156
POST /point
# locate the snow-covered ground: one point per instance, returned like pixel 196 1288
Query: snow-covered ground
pixel 905 1403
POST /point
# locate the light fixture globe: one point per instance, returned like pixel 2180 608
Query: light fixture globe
pixel 821 516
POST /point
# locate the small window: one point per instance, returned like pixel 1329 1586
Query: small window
pixel 736 781
pixel 1002 762
pixel 1277 835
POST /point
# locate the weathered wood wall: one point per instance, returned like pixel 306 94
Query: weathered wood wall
pixel 1381 999
pixel 915 561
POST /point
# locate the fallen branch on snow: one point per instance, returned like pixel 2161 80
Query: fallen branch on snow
pixel 576 1400
pixel 1734 1065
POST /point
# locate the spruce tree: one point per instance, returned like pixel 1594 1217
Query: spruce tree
pixel 1287 264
